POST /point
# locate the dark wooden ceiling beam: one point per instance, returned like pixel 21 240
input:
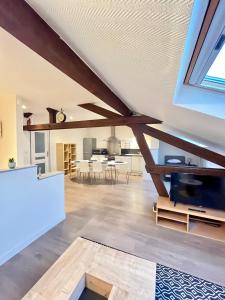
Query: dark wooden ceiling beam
pixel 184 145
pixel 116 121
pixel 99 110
pixel 172 140
pixel 166 169
pixel 20 20
pixel 27 115
pixel 149 161
pixel 143 146
pixel 110 114
pixel 52 114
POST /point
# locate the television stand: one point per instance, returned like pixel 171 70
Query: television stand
pixel 209 223
pixel 197 209
pixel 206 221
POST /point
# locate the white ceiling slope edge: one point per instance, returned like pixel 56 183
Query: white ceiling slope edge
pixel 136 48
pixel 37 82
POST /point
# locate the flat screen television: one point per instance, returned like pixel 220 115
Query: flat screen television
pixel 198 190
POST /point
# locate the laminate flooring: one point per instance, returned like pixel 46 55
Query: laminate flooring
pixel 121 217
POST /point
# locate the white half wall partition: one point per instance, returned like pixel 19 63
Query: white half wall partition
pixel 29 207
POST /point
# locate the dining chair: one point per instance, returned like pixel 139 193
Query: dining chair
pixel 107 170
pixel 83 168
pixel 97 168
pixel 124 169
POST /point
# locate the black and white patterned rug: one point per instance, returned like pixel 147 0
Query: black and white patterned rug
pixel 172 284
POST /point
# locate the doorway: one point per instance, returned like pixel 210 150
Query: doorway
pixel 40 150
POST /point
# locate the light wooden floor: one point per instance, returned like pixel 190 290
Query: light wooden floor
pixel 106 271
pixel 119 216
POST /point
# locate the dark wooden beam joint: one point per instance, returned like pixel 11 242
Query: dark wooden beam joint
pixel 167 138
pixel 184 145
pixel 52 114
pixel 27 115
pixel 170 139
pixel 146 153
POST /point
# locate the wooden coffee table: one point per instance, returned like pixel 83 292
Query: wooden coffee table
pixel 108 272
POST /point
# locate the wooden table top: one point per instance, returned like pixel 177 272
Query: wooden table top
pixel 111 273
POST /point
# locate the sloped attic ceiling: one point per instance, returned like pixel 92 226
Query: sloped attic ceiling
pixel 40 85
pixel 136 48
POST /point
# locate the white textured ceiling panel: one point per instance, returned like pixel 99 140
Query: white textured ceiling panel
pixel 135 47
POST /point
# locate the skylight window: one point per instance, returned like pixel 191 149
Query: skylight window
pixel 215 77
pixel 209 71
pixel 207 64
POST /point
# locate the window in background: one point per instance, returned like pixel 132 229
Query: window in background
pixel 215 76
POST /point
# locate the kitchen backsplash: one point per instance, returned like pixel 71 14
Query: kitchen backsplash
pixel 123 151
pixel 130 151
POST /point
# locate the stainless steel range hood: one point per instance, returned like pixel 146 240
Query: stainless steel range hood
pixel 113 143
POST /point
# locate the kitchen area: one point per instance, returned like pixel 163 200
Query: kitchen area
pixel 119 146
pixel 116 151
pixel 115 147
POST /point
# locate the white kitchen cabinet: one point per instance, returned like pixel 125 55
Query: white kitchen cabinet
pixel 137 164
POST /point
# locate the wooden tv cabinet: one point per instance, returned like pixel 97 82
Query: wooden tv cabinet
pixel 209 224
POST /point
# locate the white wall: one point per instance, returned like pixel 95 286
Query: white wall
pixel 28 208
pixel 166 149
pixel 101 134
pixel 123 133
